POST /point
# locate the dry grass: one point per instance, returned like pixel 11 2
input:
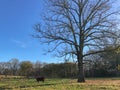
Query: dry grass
pixel 99 84
pixel 61 84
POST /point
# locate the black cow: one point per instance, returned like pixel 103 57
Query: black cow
pixel 40 79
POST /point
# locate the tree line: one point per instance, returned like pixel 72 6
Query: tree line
pixel 99 65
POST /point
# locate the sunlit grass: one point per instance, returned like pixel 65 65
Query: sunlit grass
pixel 60 84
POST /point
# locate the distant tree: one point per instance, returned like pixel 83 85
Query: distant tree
pixel 14 65
pixel 26 68
pixel 74 26
pixel 37 68
pixel 5 68
pixel 50 70
pixel 103 64
pixel 1 67
pixel 69 70
pixel 60 70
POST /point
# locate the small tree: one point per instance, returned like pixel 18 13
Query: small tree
pixel 74 26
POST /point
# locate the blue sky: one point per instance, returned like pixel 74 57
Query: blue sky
pixel 17 18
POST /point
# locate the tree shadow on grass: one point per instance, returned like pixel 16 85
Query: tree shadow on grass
pixel 46 84
pixel 4 88
pixel 27 86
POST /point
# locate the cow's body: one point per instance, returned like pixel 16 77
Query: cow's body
pixel 40 79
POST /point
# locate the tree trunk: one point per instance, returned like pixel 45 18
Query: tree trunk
pixel 81 77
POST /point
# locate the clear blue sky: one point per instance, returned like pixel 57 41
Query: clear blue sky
pixel 17 18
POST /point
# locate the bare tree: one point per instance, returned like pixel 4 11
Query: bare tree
pixel 14 65
pixel 37 66
pixel 74 26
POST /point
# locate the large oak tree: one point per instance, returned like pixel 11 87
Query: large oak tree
pixel 72 27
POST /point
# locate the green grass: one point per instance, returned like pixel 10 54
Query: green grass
pixel 60 84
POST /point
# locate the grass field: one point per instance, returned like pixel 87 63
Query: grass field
pixel 60 84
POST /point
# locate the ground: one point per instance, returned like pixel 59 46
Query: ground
pixel 60 84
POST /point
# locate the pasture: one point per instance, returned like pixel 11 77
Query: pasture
pixel 60 84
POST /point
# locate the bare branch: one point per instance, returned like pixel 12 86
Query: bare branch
pixel 101 51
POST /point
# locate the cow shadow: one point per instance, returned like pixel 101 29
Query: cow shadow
pixel 3 88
